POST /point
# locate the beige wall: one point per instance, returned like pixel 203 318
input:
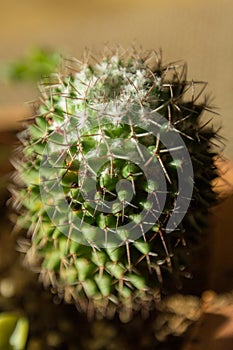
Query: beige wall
pixel 200 32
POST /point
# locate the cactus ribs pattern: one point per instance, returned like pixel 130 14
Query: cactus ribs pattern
pixel 80 113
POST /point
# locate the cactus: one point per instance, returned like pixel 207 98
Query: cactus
pixel 114 179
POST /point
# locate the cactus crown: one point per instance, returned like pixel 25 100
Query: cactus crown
pixel 115 150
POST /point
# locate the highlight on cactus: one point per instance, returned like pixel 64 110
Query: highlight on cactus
pixel 113 180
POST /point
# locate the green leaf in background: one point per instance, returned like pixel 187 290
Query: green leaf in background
pixel 13 331
pixel 36 63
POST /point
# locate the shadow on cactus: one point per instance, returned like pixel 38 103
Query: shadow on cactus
pixel 113 180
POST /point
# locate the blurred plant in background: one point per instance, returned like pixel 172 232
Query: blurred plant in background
pixel 37 62
pixel 13 331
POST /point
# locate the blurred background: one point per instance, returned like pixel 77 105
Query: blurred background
pixel 198 32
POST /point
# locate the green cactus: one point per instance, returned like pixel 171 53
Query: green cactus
pixel 113 180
